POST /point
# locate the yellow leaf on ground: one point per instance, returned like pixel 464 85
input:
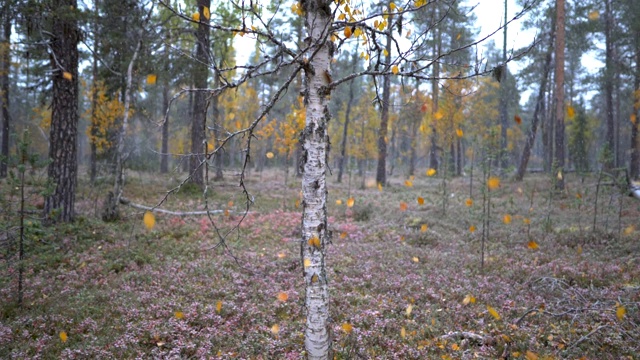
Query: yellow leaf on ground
pixel 530 355
pixel 409 309
pixel 178 314
pixel 275 329
pixel 343 235
pixel 283 296
pixel 350 202
pixel 493 312
pixel 455 347
pixel 532 245
pixel 424 228
pixel 620 312
pixel 420 200
pixel 526 221
pixel 469 202
pixel 403 206
pixel 63 336
pixel 149 220
pixel 472 229
pixel 219 306
pixel 506 219
pixel 469 299
pixel 415 259
pixel 629 230
pixel 403 332
pixel 347 328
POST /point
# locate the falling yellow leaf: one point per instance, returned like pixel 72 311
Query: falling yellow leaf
pixel 151 79
pixel 403 332
pixel 178 314
pixel 307 263
pixel 350 202
pixel 438 115
pixel 633 118
pixel 493 312
pixel 620 312
pixel 459 133
pixel 469 299
pixel 532 245
pixel 506 219
pixel 283 296
pixel 379 187
pixel 526 221
pixel 420 200
pixel 63 336
pixel 385 52
pixel 67 76
pixel 530 355
pixel 210 147
pixel 629 230
pixel 409 310
pixel 314 242
pixel 394 69
pixel 571 112
pixel 195 17
pixel 297 203
pixel 219 306
pixel 149 220
pixel 343 235
pixel 424 227
pixel 275 329
pixel 493 182
pixel 408 183
pixel 469 202
pixel 415 259
pixel 347 32
pixel 472 229
pixel 392 6
pixel 338 202
pixel 594 15
pixel 270 155
pixel 347 328
pixel 431 172
pixel 403 206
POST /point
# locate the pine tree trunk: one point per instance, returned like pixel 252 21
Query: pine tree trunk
pixel 347 116
pixel 217 158
pixel 200 81
pixel 59 205
pixel 608 88
pixel 634 161
pixel 315 237
pixel 164 150
pixel 531 135
pixel 559 93
pixel 5 68
pixel 435 88
pixel 381 172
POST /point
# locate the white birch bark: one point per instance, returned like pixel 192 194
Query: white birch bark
pixel 315 146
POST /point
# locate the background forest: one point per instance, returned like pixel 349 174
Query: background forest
pixel 152 154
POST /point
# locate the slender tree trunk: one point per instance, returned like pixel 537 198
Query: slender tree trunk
pixel 504 95
pixel 458 157
pixel 93 156
pixel 5 68
pixel 559 140
pixel 347 118
pixel 531 135
pixel 634 162
pixel 164 147
pixel 608 87
pixel 59 205
pixel 381 173
pixel 435 88
pixel 164 152
pixel 315 237
pixel 217 158
pixel 200 80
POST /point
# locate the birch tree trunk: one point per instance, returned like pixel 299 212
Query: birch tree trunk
pixel 314 161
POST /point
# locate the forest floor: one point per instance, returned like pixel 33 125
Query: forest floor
pixel 407 279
